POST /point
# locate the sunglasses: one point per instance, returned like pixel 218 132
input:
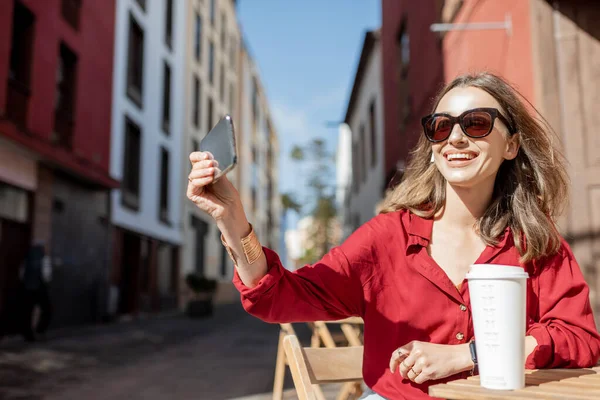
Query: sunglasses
pixel 475 123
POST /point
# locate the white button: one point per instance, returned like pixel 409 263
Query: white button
pixel 463 307
pixel 460 336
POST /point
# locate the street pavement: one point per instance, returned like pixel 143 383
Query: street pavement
pixel 230 355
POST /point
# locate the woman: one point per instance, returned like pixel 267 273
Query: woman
pixel 483 185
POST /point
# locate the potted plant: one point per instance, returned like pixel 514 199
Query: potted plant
pixel 201 304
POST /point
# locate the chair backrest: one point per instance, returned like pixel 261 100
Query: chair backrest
pixel 321 365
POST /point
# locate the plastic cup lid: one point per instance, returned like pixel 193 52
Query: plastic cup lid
pixel 495 271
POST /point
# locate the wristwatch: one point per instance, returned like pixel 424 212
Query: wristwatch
pixel 473 350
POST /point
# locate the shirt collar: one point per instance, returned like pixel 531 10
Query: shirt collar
pixel 419 230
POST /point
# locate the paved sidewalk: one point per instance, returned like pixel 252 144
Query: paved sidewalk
pixel 230 355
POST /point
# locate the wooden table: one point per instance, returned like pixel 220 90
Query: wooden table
pixel 569 384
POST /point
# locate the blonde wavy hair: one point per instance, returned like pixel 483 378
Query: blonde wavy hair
pixel 529 192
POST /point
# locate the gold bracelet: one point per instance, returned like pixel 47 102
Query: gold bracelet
pixel 250 245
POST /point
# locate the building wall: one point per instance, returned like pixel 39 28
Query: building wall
pixel 149 118
pixel 566 54
pixel 91 43
pixel 368 175
pixel 410 95
pixel 493 50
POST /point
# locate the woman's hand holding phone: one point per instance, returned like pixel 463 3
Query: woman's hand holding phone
pixel 218 199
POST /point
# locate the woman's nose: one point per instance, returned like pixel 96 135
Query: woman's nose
pixel 457 136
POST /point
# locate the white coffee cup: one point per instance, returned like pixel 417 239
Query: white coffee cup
pixel 498 303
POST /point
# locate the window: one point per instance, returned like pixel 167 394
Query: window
pixel 222 83
pixel 71 10
pixel 403 57
pixel 232 52
pixel 166 114
pixel 373 133
pixel 135 62
pixel 14 203
pixel 200 229
pixel 197 89
pixel 231 99
pixel 224 258
pixel 210 114
pixel 65 96
pixel 363 153
pixel 254 100
pixel 211 62
pixel 169 24
pixel 130 191
pixel 355 167
pixel 164 186
pixel 19 74
pixel 403 45
pixel 198 38
pixel 212 12
pixel 223 30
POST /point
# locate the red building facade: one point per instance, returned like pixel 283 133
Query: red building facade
pixel 412 74
pixel 55 121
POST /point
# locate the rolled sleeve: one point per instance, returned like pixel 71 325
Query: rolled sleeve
pixel 274 274
pixel 330 289
pixel 565 330
pixel 543 352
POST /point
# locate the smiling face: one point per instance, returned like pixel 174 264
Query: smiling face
pixel 468 162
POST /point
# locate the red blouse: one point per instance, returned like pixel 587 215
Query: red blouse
pixel 384 274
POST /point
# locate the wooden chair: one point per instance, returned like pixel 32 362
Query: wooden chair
pixel 281 362
pixel 321 335
pixel 313 366
pixel 352 337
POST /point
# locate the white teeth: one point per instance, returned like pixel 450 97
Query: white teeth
pixel 460 156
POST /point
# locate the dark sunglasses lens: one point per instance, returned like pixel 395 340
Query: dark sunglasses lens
pixel 477 123
pixel 438 128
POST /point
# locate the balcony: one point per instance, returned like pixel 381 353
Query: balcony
pixel 17 102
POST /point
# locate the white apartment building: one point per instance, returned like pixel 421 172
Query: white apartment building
pixel 343 167
pixel 364 118
pixel 146 149
pixel 212 67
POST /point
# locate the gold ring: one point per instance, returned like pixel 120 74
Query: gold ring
pixel 404 365
pixel 413 371
pixel 190 179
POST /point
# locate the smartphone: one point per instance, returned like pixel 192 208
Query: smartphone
pixel 220 142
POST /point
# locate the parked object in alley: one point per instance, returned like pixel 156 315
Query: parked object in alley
pixel 35 273
pixel 204 289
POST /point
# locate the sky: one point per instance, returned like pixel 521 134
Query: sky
pixel 307 52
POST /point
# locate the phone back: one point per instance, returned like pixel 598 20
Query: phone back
pixel 220 141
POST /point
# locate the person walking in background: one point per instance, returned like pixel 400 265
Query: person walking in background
pixel 483 186
pixel 36 273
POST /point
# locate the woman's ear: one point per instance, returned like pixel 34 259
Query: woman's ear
pixel 512 146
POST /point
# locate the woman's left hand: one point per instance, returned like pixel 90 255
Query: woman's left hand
pixel 422 361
